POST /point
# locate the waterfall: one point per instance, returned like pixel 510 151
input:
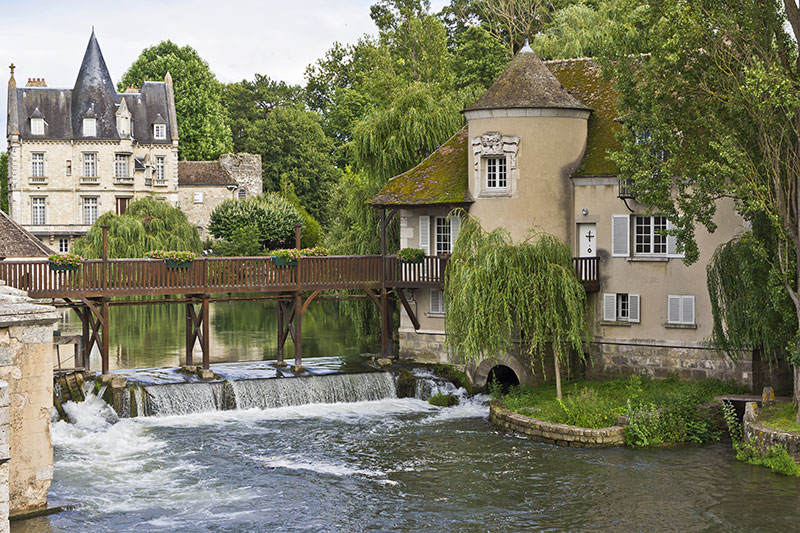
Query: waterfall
pixel 183 398
pixel 334 388
pixel 427 387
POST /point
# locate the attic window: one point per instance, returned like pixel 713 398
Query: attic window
pixel 37 126
pixel 89 127
pixel 123 126
pixel 159 131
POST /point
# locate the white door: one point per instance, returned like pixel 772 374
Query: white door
pixel 587 240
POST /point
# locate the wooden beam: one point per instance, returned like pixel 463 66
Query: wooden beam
pixel 206 341
pixel 402 297
pixel 309 300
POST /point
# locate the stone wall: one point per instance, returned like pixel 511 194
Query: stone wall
pixel 560 434
pixel 26 363
pixel 245 169
pixel 766 437
pixel 4 455
pixel 610 360
pixel 199 212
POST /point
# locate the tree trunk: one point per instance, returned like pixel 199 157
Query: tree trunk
pixel 558 376
pixel 796 375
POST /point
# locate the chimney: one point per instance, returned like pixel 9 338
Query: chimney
pixel 36 82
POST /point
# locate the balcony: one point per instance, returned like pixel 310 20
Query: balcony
pixel 123 181
pixel 37 180
pixel 160 183
pixel 90 180
pixel 625 189
pixel 588 271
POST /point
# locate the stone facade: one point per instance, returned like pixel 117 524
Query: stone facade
pixel 560 434
pixel 4 454
pixel 245 169
pixel 26 364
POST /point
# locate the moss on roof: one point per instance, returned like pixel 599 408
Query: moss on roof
pixel 582 78
pixel 440 179
pixel 526 83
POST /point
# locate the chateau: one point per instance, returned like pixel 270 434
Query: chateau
pixel 74 154
pixel 534 154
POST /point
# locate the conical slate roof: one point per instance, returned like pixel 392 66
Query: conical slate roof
pixel 526 83
pixel 94 90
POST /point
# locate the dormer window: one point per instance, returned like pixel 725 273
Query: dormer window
pixel 89 127
pixel 37 126
pixel 160 131
pixel 123 126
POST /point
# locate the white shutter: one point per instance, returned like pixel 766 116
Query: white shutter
pixel 633 308
pixel 673 309
pixel 687 309
pixel 455 229
pixel 620 235
pixel 672 243
pixel 425 233
pixel 610 307
pixel 436 301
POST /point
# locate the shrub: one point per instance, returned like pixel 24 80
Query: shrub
pixel 173 255
pixel 410 254
pixel 271 216
pixel 65 259
pixel 291 254
pixel 443 400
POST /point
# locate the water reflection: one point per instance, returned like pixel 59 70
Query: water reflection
pixel 154 335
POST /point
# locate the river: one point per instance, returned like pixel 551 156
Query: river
pixel 386 465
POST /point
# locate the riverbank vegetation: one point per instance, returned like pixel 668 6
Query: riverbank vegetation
pixel 659 412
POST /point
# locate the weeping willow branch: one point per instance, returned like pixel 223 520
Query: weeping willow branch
pixel 498 290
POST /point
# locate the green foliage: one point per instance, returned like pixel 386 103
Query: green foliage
pixel 4 182
pixel 201 117
pixel 443 400
pixel 479 58
pixel 311 234
pixel 411 254
pixel 271 216
pixel 749 303
pixel 175 256
pixel 498 290
pixel 775 458
pixel 65 259
pixel 781 416
pixel 148 224
pixel 243 242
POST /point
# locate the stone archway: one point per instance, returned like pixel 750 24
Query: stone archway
pixel 520 370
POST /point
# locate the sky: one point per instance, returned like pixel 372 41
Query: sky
pixel 237 38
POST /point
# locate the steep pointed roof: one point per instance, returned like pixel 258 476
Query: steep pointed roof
pixel 526 83
pixel 12 122
pixel 94 89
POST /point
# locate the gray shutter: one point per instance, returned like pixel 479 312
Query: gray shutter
pixel 455 229
pixel 610 306
pixel 436 301
pixel 687 309
pixel 425 233
pixel 633 308
pixel 673 309
pixel 620 235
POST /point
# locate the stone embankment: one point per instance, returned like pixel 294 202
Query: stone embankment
pixel 560 434
pixel 765 437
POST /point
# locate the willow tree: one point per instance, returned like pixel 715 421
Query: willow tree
pixel 498 290
pixel 148 224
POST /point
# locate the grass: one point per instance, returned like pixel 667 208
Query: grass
pixel 781 416
pixel 597 404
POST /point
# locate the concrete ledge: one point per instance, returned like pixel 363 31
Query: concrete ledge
pixel 560 434
pixel 764 437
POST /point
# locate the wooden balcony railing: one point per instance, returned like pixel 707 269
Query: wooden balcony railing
pixel 588 271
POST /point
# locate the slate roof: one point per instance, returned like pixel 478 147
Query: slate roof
pixel 94 92
pixel 15 241
pixel 202 173
pixel 441 179
pixel 526 83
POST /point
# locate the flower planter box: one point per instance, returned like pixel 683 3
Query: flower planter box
pixel 63 268
pixel 416 261
pixel 178 264
pixel 283 262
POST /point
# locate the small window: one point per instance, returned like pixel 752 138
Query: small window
pixel 89 165
pixel 442 235
pixel 123 126
pixel 121 166
pixel 69 167
pixel 496 177
pixel 37 126
pixel 680 309
pixel 39 215
pixel 63 246
pixel 437 302
pixel 620 307
pixel 242 194
pixel 159 131
pixel 650 237
pixel 37 165
pixel 89 127
pixel 198 197
pixel 160 170
pixel 89 211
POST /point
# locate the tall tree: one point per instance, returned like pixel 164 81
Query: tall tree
pixel 714 111
pixel 204 135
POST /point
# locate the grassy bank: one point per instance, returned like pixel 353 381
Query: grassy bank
pixel 781 416
pixel 660 411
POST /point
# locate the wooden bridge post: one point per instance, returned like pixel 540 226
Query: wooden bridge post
pixel 206 341
pixel 281 334
pixel 86 346
pixel 104 348
pixel 298 332
pixel 190 334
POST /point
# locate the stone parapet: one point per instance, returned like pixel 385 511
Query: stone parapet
pixel 764 437
pixel 560 434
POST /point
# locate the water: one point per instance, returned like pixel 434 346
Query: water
pixel 154 335
pixel 386 465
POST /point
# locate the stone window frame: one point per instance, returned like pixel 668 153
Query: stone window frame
pixel 93 163
pixel 160 168
pixel 492 145
pixel 63 245
pixel 160 132
pixel 122 161
pixel 38 210
pixel 85 208
pixel 37 165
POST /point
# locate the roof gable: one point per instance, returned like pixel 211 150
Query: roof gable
pixel 15 241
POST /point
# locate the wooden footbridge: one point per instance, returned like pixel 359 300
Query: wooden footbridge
pixel 98 284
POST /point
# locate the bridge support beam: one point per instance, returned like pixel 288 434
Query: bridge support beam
pixel 198 329
pixel 95 329
pixel 298 332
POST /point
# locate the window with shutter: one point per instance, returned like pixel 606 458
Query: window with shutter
pixel 425 233
pixel 680 309
pixel 437 302
pixel 455 228
pixel 621 307
pixel 610 307
pixel 620 236
pixel 633 308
